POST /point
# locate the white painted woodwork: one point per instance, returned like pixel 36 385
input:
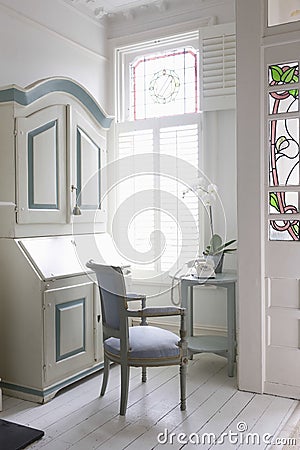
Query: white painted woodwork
pixel 43 253
pixel 68 330
pixel 39 166
pixel 45 161
pixel 217 67
pixel 29 362
pixel 80 159
pixel 80 419
pixel 88 159
pixel 282 271
pixel 52 332
pixel 251 318
pixel 269 358
pixel 46 171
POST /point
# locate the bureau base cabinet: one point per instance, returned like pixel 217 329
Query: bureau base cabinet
pixel 51 335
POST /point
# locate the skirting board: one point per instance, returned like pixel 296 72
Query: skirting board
pixel 282 390
pixel 198 329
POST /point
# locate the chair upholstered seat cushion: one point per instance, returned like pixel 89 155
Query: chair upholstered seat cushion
pixel 147 342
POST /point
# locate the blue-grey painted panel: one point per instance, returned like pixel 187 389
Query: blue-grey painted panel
pixel 79 171
pixel 58 309
pixel 26 97
pixel 31 135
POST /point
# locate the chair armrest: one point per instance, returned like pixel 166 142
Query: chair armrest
pixel 157 311
pixel 132 296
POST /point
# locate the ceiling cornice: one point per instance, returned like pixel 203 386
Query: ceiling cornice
pixel 99 9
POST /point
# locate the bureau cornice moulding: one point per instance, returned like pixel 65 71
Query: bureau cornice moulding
pixel 28 95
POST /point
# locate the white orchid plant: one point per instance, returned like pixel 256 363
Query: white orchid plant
pixel 207 193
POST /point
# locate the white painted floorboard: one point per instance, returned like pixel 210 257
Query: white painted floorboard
pixel 78 419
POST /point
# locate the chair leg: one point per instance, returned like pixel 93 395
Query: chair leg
pixel 183 370
pixel 144 374
pixel 105 375
pixel 124 388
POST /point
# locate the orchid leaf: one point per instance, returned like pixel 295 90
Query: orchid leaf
pixel 216 246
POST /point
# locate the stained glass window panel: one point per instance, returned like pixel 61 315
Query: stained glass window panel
pixel 284 152
pixel 280 74
pixel 164 84
pixel 282 102
pixel 284 230
pixel 283 202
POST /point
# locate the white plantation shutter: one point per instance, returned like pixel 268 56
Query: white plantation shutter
pixel 139 229
pixel 181 142
pixel 179 229
pixel 217 67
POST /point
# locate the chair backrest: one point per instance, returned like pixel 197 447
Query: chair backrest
pixel 112 292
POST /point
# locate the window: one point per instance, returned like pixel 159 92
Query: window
pixel 164 84
pixel 283 11
pixel 283 137
pixel 158 140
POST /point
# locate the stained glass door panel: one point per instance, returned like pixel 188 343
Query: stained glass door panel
pixel 283 140
pixel 282 217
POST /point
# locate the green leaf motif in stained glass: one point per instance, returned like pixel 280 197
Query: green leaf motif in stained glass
pixel 284 75
pixel 276 73
pixel 274 201
pixel 287 76
pixel 294 92
pixel 296 229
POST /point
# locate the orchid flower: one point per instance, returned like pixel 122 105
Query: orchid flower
pixel 207 194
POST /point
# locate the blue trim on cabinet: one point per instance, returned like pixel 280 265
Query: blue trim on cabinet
pixel 83 206
pixel 55 388
pixel 31 135
pixel 58 308
pixel 32 93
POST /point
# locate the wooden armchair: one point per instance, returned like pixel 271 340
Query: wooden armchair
pixel 139 346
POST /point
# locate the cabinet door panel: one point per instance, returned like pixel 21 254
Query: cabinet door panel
pixel 88 171
pixel 68 331
pixel 42 159
pixel 88 155
pixel 41 166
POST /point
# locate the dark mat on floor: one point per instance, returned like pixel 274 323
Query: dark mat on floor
pixel 15 437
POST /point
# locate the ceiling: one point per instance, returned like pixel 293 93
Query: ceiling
pixel 97 9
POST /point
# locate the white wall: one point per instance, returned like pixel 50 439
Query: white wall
pixel 41 38
pixel 219 138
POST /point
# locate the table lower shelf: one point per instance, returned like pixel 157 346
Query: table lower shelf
pixel 208 344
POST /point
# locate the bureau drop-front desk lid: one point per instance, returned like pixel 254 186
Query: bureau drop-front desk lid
pixel 63 256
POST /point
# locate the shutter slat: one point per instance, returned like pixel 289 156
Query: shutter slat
pixel 218 67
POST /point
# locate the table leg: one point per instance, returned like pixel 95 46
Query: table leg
pixel 185 304
pixel 191 310
pixel 231 331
